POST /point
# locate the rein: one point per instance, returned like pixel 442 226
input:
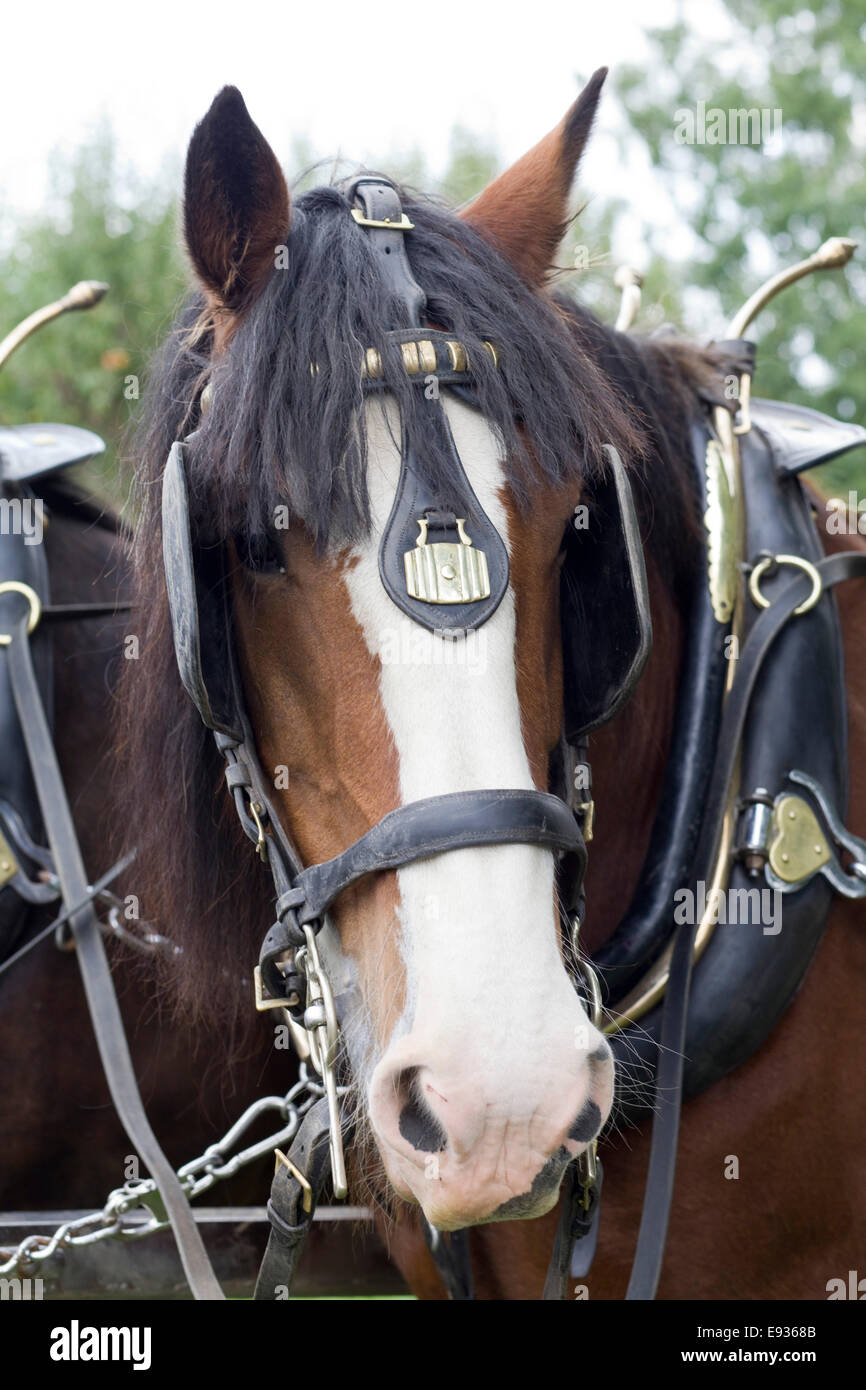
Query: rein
pixel 93 963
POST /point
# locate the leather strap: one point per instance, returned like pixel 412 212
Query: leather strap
pixel 290 1221
pixel 576 1234
pixel 457 820
pixel 453 1261
pixel 379 202
pixel 432 826
pixel 95 972
pixel 646 1270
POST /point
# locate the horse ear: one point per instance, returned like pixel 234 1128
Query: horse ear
pixel 236 203
pixel 525 211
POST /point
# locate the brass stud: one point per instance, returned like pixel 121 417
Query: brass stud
pixel 410 358
pixel 448 571
pixel 491 350
pixel 457 354
pixel 372 364
pixel 427 354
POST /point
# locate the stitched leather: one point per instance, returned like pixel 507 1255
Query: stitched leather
pixel 434 825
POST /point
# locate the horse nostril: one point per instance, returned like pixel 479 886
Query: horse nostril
pixel 417 1123
pixel 587 1124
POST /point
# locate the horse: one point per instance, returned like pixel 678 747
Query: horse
pixel 63 1144
pixel 474 1073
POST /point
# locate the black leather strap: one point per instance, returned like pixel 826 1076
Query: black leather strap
pixel 453 1261
pixel 434 825
pixel 290 1222
pixel 378 200
pixel 418 831
pixel 576 1234
pixel 95 972
pixel 834 569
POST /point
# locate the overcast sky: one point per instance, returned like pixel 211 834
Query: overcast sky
pixel 327 70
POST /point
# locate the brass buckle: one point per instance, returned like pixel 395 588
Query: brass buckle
pixel 262 1004
pixel 404 225
pixel 12 586
pixel 257 812
pixel 307 1199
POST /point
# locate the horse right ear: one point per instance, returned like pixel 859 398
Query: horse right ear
pixel 236 202
pixel 524 212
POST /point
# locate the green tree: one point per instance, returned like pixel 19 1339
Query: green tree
pixel 101 223
pixel 755 208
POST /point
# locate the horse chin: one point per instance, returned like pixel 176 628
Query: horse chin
pixel 455 1211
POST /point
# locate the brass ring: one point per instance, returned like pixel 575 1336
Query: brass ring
pixel 12 586
pixel 796 560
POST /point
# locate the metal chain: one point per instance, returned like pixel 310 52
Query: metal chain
pixel 197 1176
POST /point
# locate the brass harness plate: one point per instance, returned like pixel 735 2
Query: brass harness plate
pixel 446 571
pixel 798 847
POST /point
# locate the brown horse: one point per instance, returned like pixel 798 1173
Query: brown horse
pixel 462 1026
pixel 63 1146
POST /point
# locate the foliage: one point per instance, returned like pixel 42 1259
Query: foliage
pixel 756 208
pixel 85 368
pixel 751 209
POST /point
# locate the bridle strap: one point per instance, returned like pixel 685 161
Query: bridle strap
pixel 420 830
pixel 292 1204
pixel 459 820
pixel 382 214
pixel 93 963
pixel 646 1270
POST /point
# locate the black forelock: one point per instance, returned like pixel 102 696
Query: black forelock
pixel 279 432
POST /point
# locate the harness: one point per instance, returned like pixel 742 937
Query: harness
pixel 737 777
pixel 448 574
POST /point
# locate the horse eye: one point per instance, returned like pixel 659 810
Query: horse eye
pixel 261 554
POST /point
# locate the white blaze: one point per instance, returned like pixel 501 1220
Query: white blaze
pixel 470 917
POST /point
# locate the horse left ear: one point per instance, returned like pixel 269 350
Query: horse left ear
pixel 525 211
pixel 236 203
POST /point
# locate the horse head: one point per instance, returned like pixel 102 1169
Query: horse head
pixel 471 1051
